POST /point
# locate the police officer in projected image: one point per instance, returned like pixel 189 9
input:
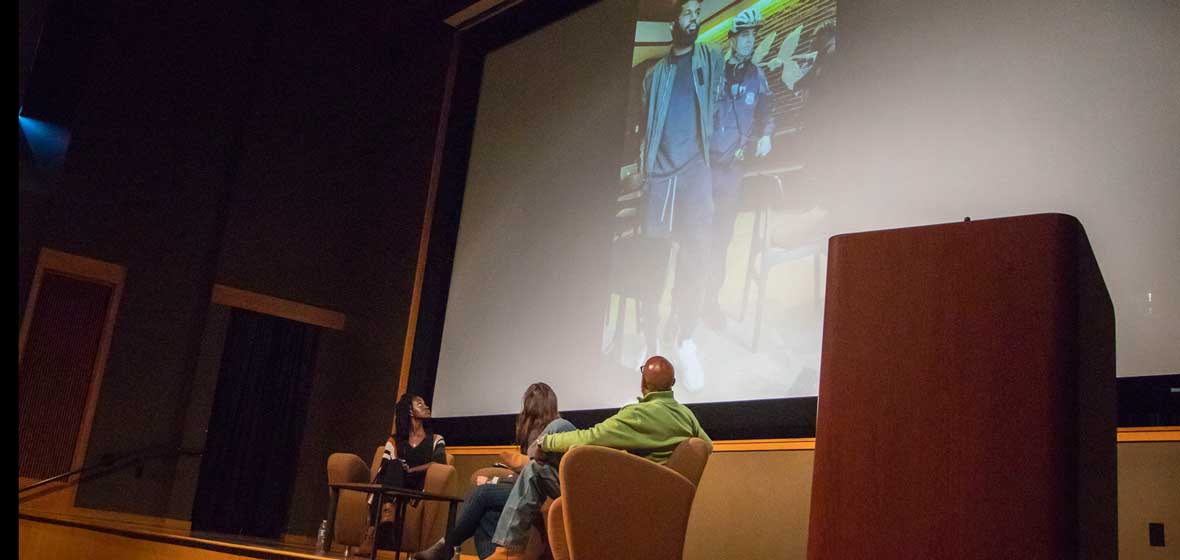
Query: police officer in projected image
pixel 680 93
pixel 742 132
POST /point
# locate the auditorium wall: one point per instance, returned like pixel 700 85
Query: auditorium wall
pixel 285 149
pixel 269 147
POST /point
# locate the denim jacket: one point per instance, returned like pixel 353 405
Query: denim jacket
pixel 708 66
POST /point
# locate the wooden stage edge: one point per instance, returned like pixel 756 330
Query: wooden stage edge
pixel 57 535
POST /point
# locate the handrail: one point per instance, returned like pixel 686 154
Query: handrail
pixel 130 458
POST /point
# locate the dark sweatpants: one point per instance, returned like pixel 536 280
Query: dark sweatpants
pixel 680 209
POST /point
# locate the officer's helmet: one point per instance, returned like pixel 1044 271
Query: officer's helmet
pixel 747 19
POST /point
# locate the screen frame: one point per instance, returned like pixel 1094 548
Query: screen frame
pixel 472 42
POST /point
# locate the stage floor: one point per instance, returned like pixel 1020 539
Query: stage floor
pixel 45 534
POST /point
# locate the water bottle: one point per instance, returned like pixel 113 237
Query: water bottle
pixel 321 538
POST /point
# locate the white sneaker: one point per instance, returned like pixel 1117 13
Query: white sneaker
pixel 690 365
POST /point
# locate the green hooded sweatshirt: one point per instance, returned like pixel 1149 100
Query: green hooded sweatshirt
pixel 651 428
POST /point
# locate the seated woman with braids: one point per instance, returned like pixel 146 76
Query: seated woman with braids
pixel 413 441
pixel 409 451
pixel 482 507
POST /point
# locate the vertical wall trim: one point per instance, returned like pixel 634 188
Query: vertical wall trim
pixel 428 216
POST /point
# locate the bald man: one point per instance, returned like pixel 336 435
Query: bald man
pixel 650 428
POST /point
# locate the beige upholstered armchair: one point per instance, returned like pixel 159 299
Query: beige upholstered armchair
pixel 425 521
pixel 617 505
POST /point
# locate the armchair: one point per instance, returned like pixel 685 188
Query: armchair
pixel 600 513
pixel 425 522
pixel 538 548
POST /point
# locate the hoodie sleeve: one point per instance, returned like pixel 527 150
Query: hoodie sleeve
pixel 621 431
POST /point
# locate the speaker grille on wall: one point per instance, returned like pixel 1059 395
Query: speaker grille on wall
pixel 56 371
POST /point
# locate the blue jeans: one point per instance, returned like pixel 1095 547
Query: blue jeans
pixel 536 482
pixel 478 519
pixel 680 208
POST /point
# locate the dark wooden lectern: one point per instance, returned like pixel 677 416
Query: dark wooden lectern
pixel 967 398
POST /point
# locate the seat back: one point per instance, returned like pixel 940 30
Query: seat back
pixel 617 505
pixel 375 464
pixel 352 511
pixel 689 459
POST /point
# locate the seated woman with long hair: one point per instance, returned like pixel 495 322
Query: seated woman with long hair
pixel 482 506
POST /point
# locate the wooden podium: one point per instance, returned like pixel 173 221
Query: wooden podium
pixel 967 398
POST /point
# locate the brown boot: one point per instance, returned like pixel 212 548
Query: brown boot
pixel 502 553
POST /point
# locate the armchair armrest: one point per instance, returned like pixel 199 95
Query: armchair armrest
pixel 426 522
pixel 489 472
pixel 555 523
pixel 515 460
pixel 441 479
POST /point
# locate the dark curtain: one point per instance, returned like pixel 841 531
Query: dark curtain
pixel 256 426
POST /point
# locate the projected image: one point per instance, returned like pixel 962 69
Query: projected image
pixel 720 231
pixel 653 177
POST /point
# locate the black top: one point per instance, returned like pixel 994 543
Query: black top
pixel 425 452
pixel 681 143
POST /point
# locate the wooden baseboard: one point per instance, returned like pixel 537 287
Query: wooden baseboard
pixel 1124 435
pixel 1149 434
